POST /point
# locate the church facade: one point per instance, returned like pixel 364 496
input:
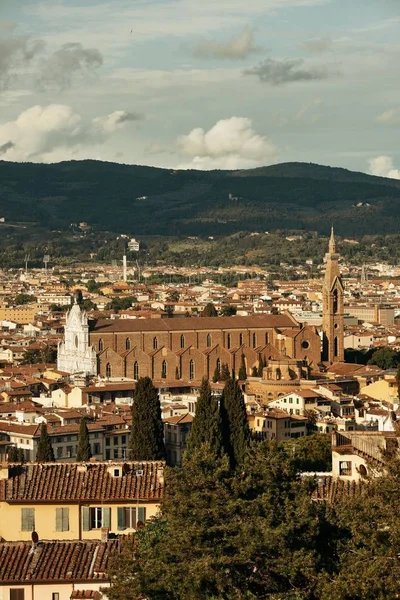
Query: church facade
pixel 75 353
pixel 189 349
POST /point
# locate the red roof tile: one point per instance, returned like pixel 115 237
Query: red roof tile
pixel 90 482
pixel 53 561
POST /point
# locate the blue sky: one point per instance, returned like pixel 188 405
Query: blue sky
pixel 210 84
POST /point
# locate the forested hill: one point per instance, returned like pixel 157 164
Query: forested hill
pixel 153 201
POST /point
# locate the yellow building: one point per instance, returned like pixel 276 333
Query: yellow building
pixel 278 425
pixel 22 315
pixel 76 501
pixel 383 389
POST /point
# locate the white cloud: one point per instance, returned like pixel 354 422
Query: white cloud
pixel 389 117
pixel 229 144
pixel 56 132
pixel 238 47
pixel 115 120
pixel 383 166
pixel 39 130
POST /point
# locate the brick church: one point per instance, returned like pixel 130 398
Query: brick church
pixel 189 348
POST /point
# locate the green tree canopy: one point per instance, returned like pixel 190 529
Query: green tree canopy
pixel 84 452
pixel 24 298
pixel 385 358
pixel 147 432
pixel 209 310
pixel 44 452
pixel 254 535
pixel 310 453
pixel 228 311
pixel 206 426
pixel 235 427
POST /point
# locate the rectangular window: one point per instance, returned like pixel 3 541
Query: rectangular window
pixel 62 519
pixel 69 451
pixel 96 517
pixel 108 455
pixel 55 596
pixel 116 441
pixel 59 452
pixel 345 468
pixel 127 516
pixel 108 440
pixel 17 594
pixel 27 519
pixel 123 439
pixel 96 448
pixel 116 452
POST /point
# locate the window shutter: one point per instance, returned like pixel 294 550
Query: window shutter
pixel 106 517
pixel 27 519
pixel 59 519
pixel 65 519
pixel 121 518
pixel 142 514
pixel 85 518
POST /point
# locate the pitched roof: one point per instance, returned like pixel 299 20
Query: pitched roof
pixel 53 561
pixel 195 323
pixel 64 482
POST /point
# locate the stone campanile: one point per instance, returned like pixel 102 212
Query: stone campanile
pixel 332 295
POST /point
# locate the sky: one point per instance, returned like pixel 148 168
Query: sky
pixel 202 84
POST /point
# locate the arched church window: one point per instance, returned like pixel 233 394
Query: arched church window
pixel 209 340
pixel 136 370
pixel 155 343
pixel 191 369
pixel 108 370
pixel 335 302
pixel 240 339
pixel 164 370
pixel 254 340
pixel 218 365
pixel 101 345
pixel 127 344
pixel 266 338
pixel 182 341
pixel 228 341
pixel 335 346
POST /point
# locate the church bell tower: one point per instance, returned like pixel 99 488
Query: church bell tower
pixel 332 295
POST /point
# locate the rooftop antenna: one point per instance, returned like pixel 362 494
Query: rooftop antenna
pixel 27 257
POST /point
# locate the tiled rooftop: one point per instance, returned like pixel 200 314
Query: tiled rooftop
pixel 88 482
pixel 54 561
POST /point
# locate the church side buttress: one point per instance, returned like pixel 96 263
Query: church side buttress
pixel 332 302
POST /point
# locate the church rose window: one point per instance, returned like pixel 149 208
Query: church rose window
pixel 305 344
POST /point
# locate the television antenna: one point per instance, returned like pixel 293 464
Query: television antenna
pixel 46 260
pixel 27 257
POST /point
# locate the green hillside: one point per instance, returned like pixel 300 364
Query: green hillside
pixel 152 201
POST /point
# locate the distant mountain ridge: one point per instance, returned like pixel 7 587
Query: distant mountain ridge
pixel 146 200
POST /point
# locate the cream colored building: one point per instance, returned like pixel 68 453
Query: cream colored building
pixel 76 501
pixel 383 389
pixel 356 454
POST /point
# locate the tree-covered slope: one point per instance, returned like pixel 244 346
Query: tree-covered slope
pixel 153 201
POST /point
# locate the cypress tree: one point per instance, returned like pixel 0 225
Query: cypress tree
pixel 206 426
pixel 225 374
pixel 209 310
pixel 235 427
pixel 217 374
pixel 12 454
pixel 147 432
pixel 260 366
pixel 44 451
pixel 242 370
pixel 254 372
pixel 84 451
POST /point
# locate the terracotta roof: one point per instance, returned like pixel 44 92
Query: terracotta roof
pixel 75 481
pixel 333 490
pixel 53 561
pixel 195 323
pixel 178 419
